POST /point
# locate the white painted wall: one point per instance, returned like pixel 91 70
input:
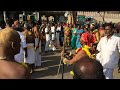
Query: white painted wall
pixel 108 16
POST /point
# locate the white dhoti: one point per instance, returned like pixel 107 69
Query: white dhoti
pixel 52 46
pixel 53 36
pixel 52 42
pixel 47 42
pixel 98 57
pixel 108 73
pixel 37 58
pixel 47 45
pixel 20 57
pixel 31 54
pixel 38 53
pixel 57 39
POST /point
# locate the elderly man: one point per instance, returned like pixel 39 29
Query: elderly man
pixel 109 49
pixel 85 51
pixel 10 46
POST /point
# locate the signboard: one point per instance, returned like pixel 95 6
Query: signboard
pixel 81 18
pixel 20 17
pixel 51 18
pixel 61 19
pixel 31 17
pixel 28 17
pixel 43 18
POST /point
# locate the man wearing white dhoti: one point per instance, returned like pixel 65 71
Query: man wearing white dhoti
pixel 109 49
pixel 58 34
pixel 47 34
pixel 37 45
pixel 30 40
pixel 53 37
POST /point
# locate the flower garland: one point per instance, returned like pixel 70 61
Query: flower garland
pixel 86 48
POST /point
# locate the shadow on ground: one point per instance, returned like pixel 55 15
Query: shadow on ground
pixel 51 71
pixel 50 67
pixel 50 64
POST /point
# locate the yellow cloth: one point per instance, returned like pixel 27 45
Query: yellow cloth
pixel 72 73
pixel 86 49
pixel 25 65
pixel 95 30
pixel 64 60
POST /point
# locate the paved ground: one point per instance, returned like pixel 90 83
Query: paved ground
pixel 50 63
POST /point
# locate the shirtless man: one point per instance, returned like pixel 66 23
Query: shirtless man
pixel 86 68
pixel 30 41
pixel 83 52
pixel 35 29
pixel 10 46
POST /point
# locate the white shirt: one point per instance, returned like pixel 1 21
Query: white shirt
pixel 20 57
pixel 47 35
pixel 58 28
pixel 53 29
pixel 109 51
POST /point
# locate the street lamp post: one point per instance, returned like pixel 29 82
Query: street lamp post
pixel 4 14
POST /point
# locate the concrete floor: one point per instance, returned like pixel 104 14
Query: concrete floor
pixel 49 68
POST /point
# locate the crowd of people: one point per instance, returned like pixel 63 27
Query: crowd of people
pixel 97 47
pixel 99 42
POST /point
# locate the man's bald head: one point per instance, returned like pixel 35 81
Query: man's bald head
pixel 9 38
pixel 87 68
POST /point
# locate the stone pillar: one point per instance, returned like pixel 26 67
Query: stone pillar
pixel 69 19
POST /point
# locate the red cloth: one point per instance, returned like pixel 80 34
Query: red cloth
pixel 94 38
pixel 88 38
pixel 78 50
